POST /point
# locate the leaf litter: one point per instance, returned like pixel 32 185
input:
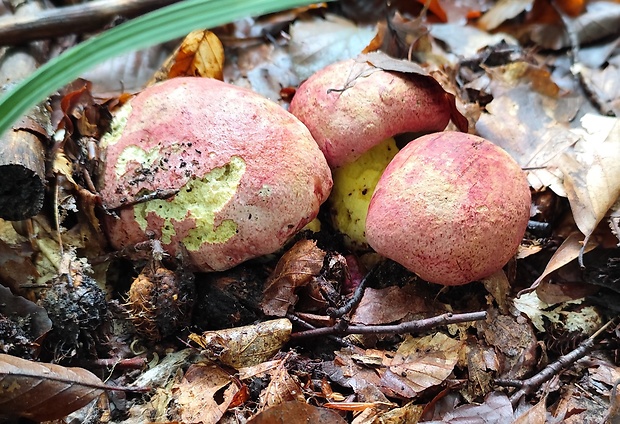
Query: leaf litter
pixel 556 116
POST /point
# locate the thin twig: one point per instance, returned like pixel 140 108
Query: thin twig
pixel 532 384
pixel 355 299
pixel 296 320
pixel 83 17
pixel 341 326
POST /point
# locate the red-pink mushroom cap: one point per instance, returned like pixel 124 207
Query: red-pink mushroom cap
pixel 451 207
pixel 231 175
pixel 351 106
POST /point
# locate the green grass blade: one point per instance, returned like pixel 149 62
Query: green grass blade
pixel 156 27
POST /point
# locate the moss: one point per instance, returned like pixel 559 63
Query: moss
pixel 200 199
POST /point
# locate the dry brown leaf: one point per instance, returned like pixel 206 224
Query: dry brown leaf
pixel 282 388
pixel 388 305
pixel 294 412
pixel 16 267
pixel 420 363
pixel 408 413
pixel 535 415
pixel 294 270
pixel 514 341
pixel 498 286
pixel 536 135
pixel 204 394
pixel 592 172
pixel 245 346
pixel 496 408
pixel 502 11
pixel 201 54
pixel 347 371
pixel 43 392
pixel 388 63
pixel 320 42
pixel 567 252
pixel 482 366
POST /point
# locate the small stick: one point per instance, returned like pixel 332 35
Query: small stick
pixel 355 299
pixel 295 319
pixel 531 384
pixel 74 19
pixel 341 327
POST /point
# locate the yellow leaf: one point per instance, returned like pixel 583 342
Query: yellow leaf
pixel 201 54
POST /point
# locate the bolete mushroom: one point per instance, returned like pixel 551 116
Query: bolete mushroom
pixel 215 168
pixel 451 207
pixel 353 109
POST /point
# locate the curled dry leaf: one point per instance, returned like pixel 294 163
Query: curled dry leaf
pixel 295 269
pixel 592 172
pixel 420 363
pixel 205 393
pixel 245 346
pixel 496 408
pixel 391 304
pixel 567 252
pixel 502 11
pixel 515 341
pixel 201 54
pixel 295 412
pixel 43 392
pixel 281 388
pixel 320 42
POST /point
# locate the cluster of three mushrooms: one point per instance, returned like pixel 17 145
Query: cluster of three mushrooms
pixel 232 176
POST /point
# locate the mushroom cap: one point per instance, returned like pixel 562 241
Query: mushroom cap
pixel 239 174
pixel 351 106
pixel 451 207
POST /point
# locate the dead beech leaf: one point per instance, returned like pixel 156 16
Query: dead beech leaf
pixel 391 304
pixel 44 392
pixel 567 252
pixel 204 394
pixel 295 269
pixel 496 408
pixel 245 346
pixel 387 63
pixel 295 412
pixel 502 11
pixel 420 363
pixel 319 42
pixel 282 388
pixel 498 286
pixel 535 415
pixel 513 339
pixel 592 172
pixel 201 54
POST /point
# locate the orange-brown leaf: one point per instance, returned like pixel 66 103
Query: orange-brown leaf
pixel 200 54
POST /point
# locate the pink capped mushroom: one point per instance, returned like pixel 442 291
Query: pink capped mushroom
pixel 353 110
pixel 352 106
pixel 451 207
pixel 215 168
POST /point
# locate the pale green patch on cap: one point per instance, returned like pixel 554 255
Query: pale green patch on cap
pixel 200 199
pixel 116 127
pixel 145 158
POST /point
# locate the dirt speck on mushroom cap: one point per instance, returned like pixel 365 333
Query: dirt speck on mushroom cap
pixel 451 207
pixel 247 174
